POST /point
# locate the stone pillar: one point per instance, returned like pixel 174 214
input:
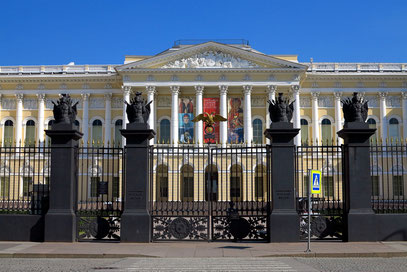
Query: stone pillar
pixel 41 109
pixel 383 118
pixel 223 126
pixel 247 121
pixel 60 221
pixel 284 219
pixel 404 105
pixel 198 110
pixel 108 119
pixel 151 119
pixel 297 117
pixel 174 115
pixel 359 216
pixel 338 116
pixel 85 118
pixel 315 121
pixel 271 96
pixel 136 219
pixel 19 119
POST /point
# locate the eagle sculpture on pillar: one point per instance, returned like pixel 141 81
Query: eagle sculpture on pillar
pixel 355 108
pixel 280 110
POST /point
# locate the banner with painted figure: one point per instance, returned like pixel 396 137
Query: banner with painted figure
pixel 211 134
pixel 235 121
pixel 185 116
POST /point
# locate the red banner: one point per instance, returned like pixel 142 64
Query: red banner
pixel 211 134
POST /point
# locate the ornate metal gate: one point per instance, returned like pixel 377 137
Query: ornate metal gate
pixel 210 193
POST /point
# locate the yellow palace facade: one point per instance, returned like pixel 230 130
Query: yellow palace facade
pixel 234 80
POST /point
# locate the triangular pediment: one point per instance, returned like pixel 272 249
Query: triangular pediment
pixel 211 55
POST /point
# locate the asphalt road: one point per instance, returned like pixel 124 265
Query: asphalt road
pixel 207 264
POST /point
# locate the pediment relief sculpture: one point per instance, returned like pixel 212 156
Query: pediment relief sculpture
pixel 211 59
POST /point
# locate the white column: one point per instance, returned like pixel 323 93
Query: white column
pixel 19 119
pixel 150 97
pixel 85 118
pixel 271 96
pixel 174 115
pixel 1 108
pixel 338 116
pixel 383 118
pixel 223 112
pixel 108 119
pixel 126 98
pixel 297 116
pixel 315 118
pixel 247 121
pixel 404 105
pixel 198 110
pixel 41 109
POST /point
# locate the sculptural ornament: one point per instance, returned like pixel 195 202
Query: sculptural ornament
pixel 281 110
pixel 64 110
pixel 138 110
pixel 355 108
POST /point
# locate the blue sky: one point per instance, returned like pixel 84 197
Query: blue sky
pixel 103 31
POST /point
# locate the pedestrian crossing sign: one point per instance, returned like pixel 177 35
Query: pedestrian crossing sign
pixel 315 181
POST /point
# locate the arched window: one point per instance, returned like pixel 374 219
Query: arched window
pixel 187 180
pixel 30 133
pixel 304 132
pixel 49 126
pixel 394 128
pixel 118 125
pixel 162 183
pixel 97 134
pixel 76 122
pixel 326 132
pixel 260 185
pixel 8 133
pixel 236 180
pixel 211 189
pixel 372 124
pixel 165 131
pixel 257 131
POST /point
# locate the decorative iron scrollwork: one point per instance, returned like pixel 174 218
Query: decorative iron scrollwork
pixel 322 227
pixel 99 228
pixel 243 228
pixel 180 228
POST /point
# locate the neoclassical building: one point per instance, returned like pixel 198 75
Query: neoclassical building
pixel 233 80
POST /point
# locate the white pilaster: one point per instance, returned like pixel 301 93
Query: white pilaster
pixel 338 116
pixel 297 116
pixel 1 108
pixel 271 96
pixel 198 110
pixel 85 118
pixel 150 97
pixel 174 115
pixel 223 112
pixel 383 118
pixel 126 98
pixel 108 119
pixel 19 119
pixel 315 118
pixel 404 105
pixel 41 109
pixel 248 128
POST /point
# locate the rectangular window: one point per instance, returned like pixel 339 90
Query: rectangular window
pixel 304 135
pixel 188 187
pixel 27 186
pixel 94 183
pixel 375 185
pixel 115 187
pixel 306 186
pixel 163 187
pixel 235 188
pixel 328 186
pixel 398 189
pixel 259 187
pixel 4 187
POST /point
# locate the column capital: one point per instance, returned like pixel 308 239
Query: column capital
pixel 126 89
pixel 85 96
pixel 174 89
pixel 41 97
pixel 247 89
pixel 338 95
pixel 272 88
pixel 199 89
pixel 382 95
pixel 295 88
pixel 150 89
pixel 403 95
pixel 108 96
pixel 223 89
pixel 19 97
pixel 315 95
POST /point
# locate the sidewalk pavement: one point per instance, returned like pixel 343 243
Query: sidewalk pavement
pixel 200 249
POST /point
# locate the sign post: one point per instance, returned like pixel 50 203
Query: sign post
pixel 314 187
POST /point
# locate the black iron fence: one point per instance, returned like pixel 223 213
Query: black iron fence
pixel 327 206
pixel 100 192
pixel 24 179
pixel 388 176
pixel 209 191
